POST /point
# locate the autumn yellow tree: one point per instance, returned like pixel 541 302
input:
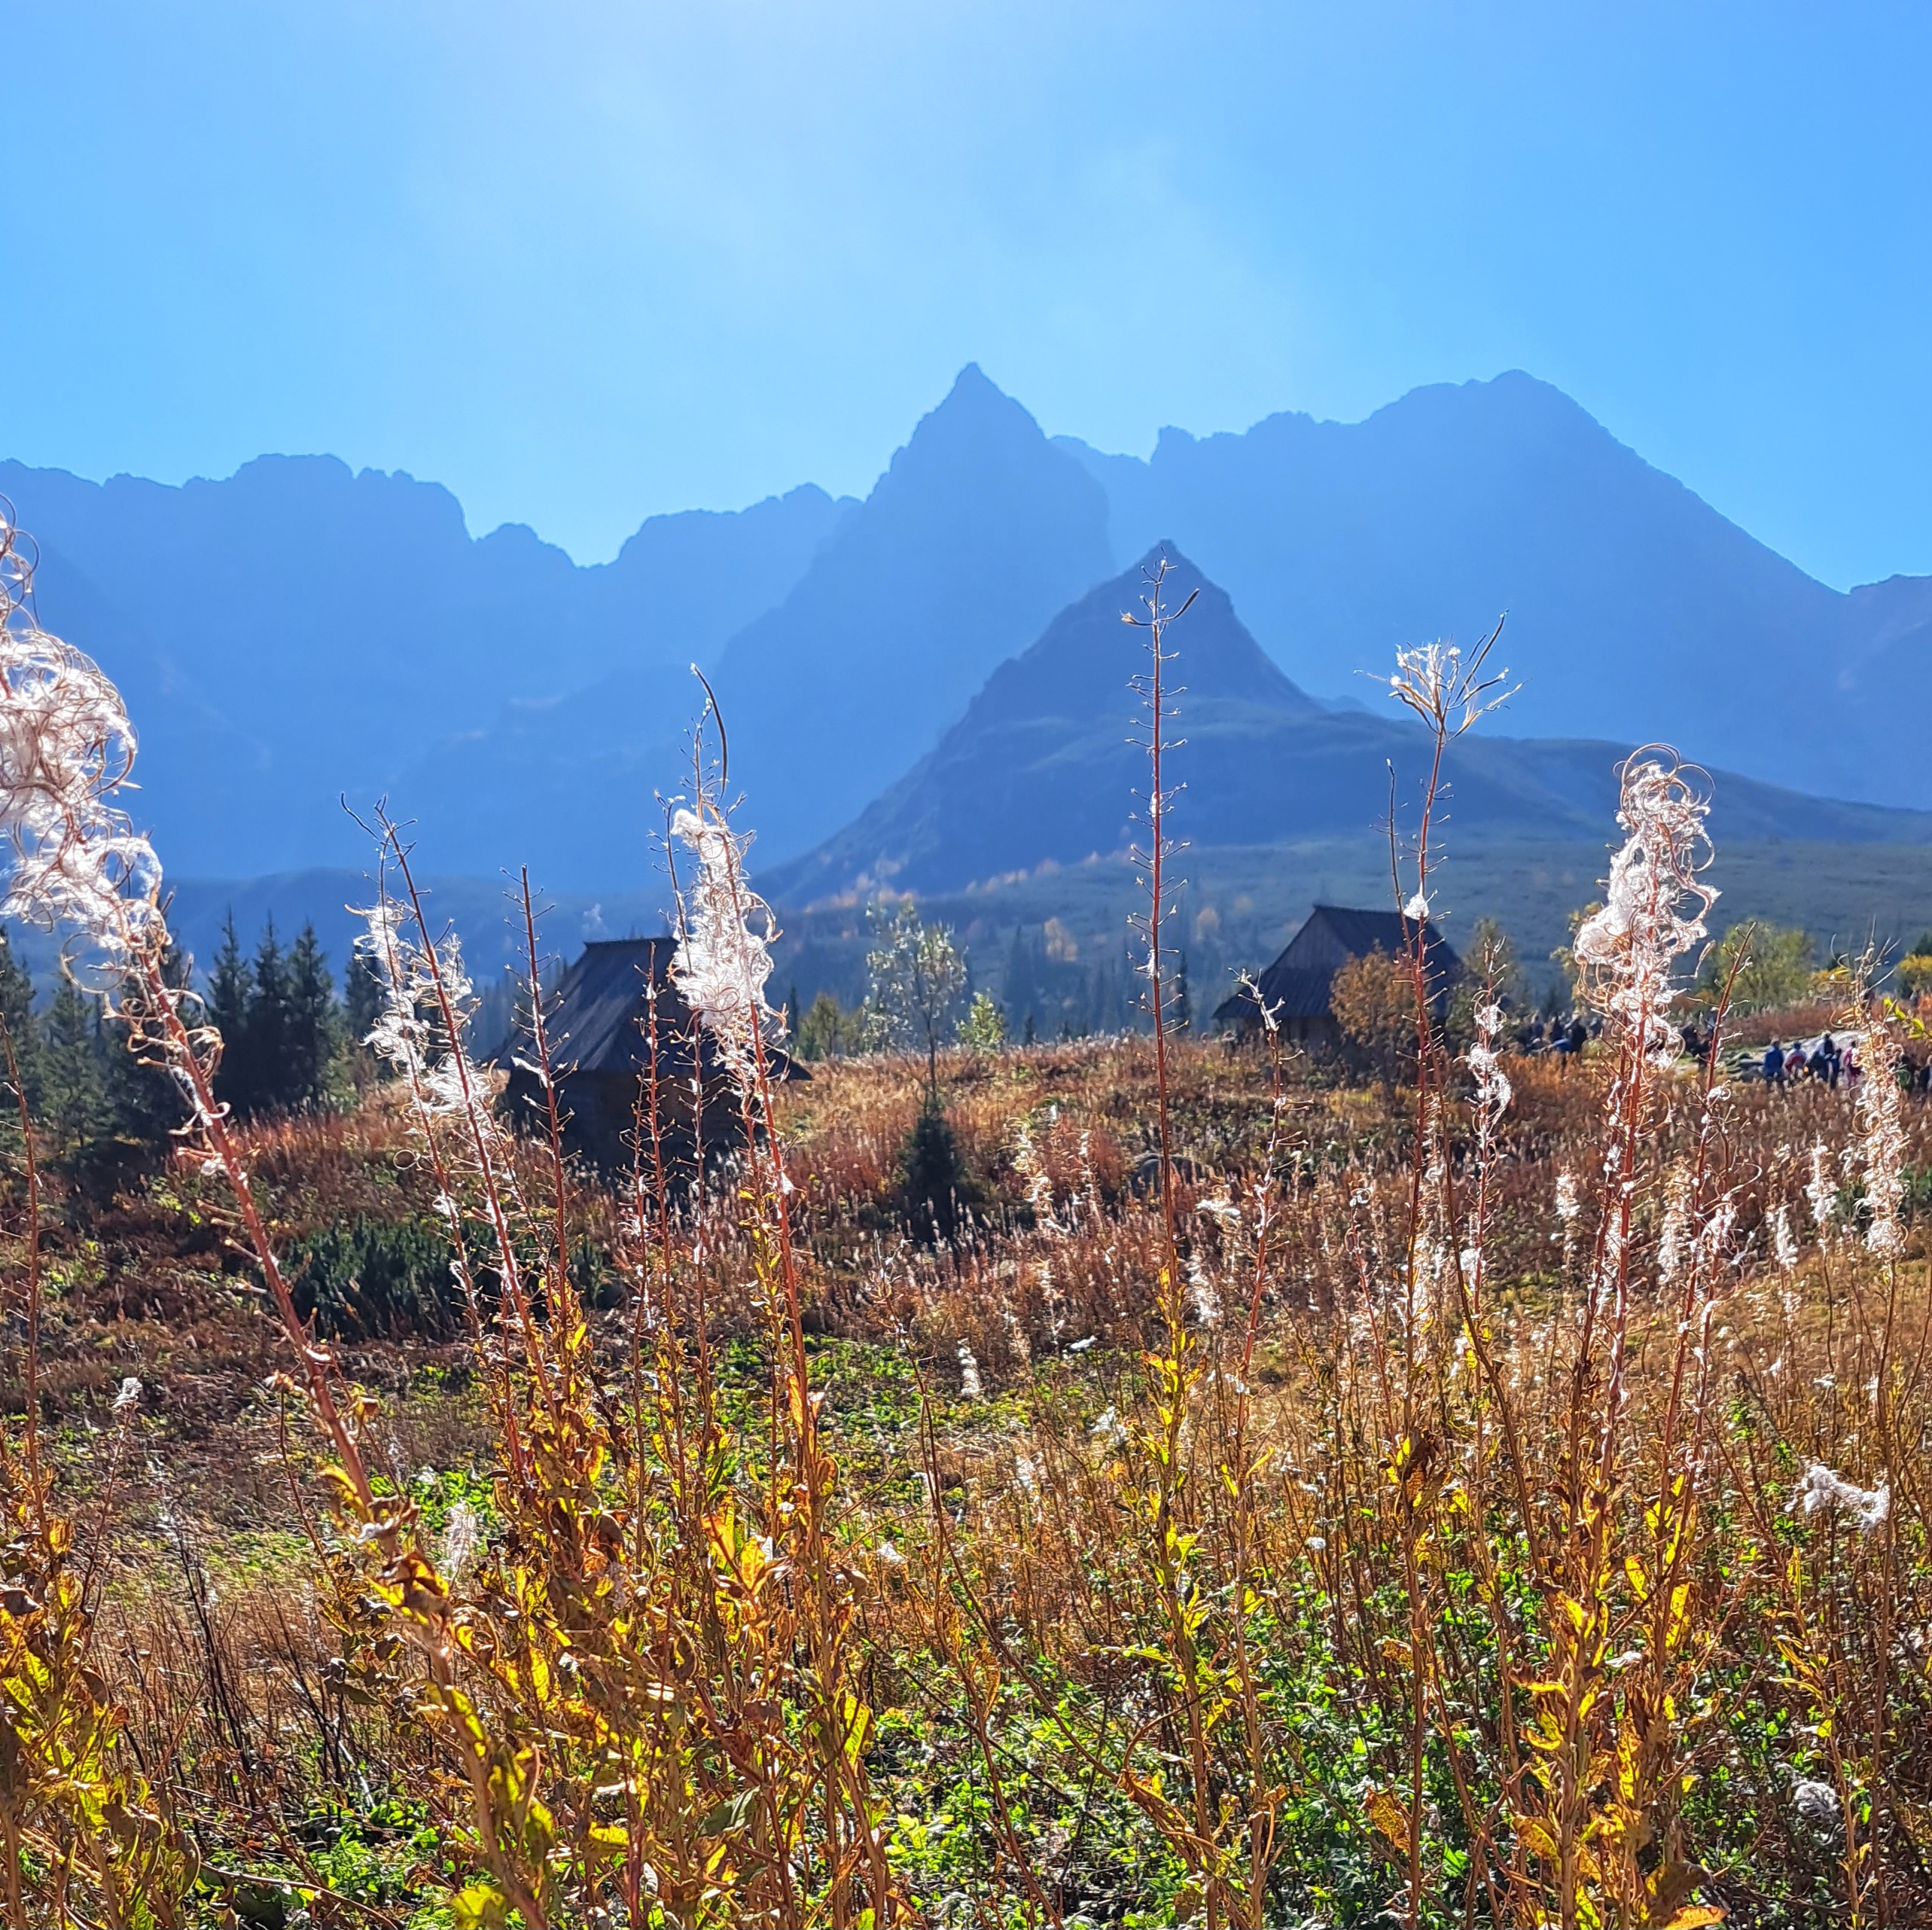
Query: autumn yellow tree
pixel 1373 1000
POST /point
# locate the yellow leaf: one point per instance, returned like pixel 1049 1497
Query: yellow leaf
pixel 479 1906
pixel 1694 1916
pixel 1536 1839
pixel 1390 1815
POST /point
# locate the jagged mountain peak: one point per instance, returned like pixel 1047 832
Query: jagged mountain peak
pixel 978 433
pixel 980 529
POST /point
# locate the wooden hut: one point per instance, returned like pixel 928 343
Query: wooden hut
pixel 1299 985
pixel 599 1023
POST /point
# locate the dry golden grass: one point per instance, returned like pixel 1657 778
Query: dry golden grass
pixel 1017 1615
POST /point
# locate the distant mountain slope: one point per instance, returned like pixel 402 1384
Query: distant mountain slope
pixel 1636 611
pixel 979 531
pixel 296 632
pixel 1039 769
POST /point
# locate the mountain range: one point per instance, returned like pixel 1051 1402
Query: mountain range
pixel 1045 766
pixel 915 680
pixel 297 633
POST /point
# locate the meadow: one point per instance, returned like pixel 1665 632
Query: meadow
pixel 1135 1481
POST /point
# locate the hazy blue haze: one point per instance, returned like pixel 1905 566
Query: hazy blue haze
pixel 296 635
pixel 584 263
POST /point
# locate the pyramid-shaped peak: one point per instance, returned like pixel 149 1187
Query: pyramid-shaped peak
pixel 1081 664
pixel 974 404
pixel 972 384
pixel 978 441
pixel 1169 552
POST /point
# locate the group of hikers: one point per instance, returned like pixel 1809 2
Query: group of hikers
pixel 1555 1034
pixel 1825 1061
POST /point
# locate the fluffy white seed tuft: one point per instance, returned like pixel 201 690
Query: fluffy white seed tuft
pixel 724 955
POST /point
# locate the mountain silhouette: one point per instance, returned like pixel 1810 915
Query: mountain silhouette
pixel 297 631
pixel 1041 769
pixel 979 531
pixel 1634 609
pixel 976 533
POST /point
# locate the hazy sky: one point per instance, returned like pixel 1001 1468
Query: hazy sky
pixel 583 260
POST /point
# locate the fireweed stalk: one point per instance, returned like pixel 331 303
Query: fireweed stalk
pixel 1174 1369
pixel 1585 1836
pixel 1200 1766
pixel 67 752
pixel 1564 1844
pixel 81 1833
pixel 1449 696
pixel 723 963
pixel 557 1844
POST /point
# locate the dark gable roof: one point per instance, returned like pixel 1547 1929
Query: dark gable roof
pixel 1291 993
pixel 1361 932
pixel 593 1022
pixel 1299 983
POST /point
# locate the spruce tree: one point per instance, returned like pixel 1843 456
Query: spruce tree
pixel 932 1178
pixel 1017 993
pixel 313 1023
pixel 146 1104
pixel 16 1012
pixel 268 1031
pixel 228 1013
pixel 362 1003
pixel 75 1101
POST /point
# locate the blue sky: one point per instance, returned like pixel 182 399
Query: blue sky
pixel 584 260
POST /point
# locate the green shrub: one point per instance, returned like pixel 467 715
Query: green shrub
pixel 932 1184
pixel 373 1278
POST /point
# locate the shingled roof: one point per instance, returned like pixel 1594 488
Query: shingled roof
pixel 595 1024
pixel 593 1021
pixel 1298 985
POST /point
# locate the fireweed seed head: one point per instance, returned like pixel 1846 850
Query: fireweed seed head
pixel 417 977
pixel 724 956
pixel 462 1541
pixel 1823 1490
pixel 1493 1089
pixel 1784 1244
pixel 1446 690
pixel 1821 1191
pixel 66 750
pixel 1882 1144
pixel 1202 1297
pixel 1816 1802
pixel 1655 905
